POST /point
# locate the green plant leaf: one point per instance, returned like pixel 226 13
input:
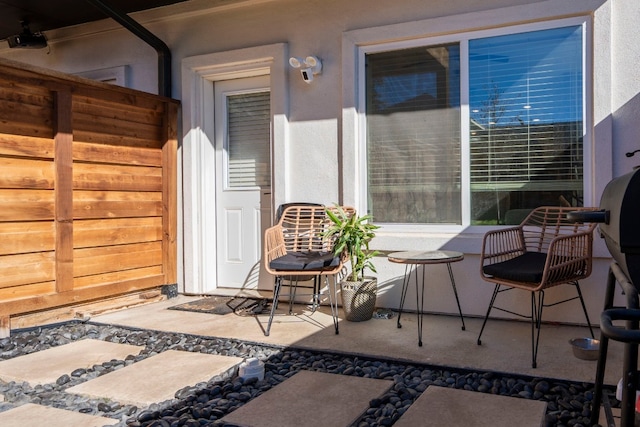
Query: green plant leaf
pixel 352 234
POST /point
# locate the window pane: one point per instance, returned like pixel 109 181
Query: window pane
pixel 248 140
pixel 413 140
pixel 525 93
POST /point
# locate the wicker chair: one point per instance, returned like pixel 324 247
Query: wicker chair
pixel 545 250
pixel 295 282
pixel 296 247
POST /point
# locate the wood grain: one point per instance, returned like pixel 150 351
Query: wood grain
pixel 88 190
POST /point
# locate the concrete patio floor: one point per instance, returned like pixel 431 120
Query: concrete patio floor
pixel 506 345
pixel 505 348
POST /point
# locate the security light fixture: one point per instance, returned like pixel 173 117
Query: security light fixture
pixel 27 39
pixel 309 67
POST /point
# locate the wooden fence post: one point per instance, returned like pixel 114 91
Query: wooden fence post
pixel 63 136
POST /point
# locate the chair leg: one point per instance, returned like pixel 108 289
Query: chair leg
pixel 317 281
pixel 293 288
pixel 292 293
pixel 536 322
pixel 274 304
pixel 493 300
pixel 584 309
pixel 333 300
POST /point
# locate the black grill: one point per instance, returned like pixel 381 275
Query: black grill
pixel 619 219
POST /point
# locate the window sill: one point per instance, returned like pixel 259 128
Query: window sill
pixel 467 241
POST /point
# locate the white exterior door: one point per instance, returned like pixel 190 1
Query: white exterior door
pixel 243 178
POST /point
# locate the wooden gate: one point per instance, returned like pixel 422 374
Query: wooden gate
pixel 88 196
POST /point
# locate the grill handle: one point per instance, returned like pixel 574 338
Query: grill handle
pixel 617 333
pixel 601 216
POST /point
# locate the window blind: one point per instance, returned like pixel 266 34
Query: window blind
pixel 526 102
pixel 413 125
pixel 248 128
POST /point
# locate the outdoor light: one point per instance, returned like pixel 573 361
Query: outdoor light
pixel 295 62
pixel 314 63
pixel 27 39
pixel 309 67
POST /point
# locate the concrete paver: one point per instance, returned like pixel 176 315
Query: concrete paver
pixel 441 406
pixel 506 345
pixel 310 399
pixel 47 366
pixel 299 400
pixel 37 415
pixel 156 378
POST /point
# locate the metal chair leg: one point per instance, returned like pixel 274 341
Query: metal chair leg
pixel 455 292
pixel 536 323
pixel 493 300
pixel 333 301
pixel 274 304
pixel 584 309
pixel 292 293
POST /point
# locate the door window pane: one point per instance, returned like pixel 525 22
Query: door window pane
pixel 248 117
pixel 413 140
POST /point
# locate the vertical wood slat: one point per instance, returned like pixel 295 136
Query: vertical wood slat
pixel 169 194
pixel 5 326
pixel 63 137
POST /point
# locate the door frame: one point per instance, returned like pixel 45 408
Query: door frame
pixel 197 273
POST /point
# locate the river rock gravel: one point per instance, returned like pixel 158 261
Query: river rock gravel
pixel 204 404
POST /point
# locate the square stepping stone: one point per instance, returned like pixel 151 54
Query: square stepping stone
pixel 157 378
pixel 442 406
pixel 310 399
pixel 38 415
pixel 46 366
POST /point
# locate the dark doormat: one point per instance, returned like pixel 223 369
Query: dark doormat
pixel 243 306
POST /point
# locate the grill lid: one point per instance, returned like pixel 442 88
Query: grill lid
pixel 619 220
pixel 621 198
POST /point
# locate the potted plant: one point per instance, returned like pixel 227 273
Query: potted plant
pixel 352 234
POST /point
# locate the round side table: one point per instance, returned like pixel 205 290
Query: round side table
pixel 412 260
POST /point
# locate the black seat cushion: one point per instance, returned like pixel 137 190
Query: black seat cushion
pixel 527 267
pixel 300 261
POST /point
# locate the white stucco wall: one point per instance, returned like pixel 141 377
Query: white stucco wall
pixel 316 156
pixel 625 93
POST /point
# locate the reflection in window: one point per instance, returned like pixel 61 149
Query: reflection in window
pixel 525 140
pixel 526 122
pixel 413 122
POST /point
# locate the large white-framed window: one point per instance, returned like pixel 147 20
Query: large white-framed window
pixel 475 129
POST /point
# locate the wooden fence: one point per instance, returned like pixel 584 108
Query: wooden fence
pixel 87 190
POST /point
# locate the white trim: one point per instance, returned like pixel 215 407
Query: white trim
pixel 465 138
pixel 589 172
pixel 198 181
